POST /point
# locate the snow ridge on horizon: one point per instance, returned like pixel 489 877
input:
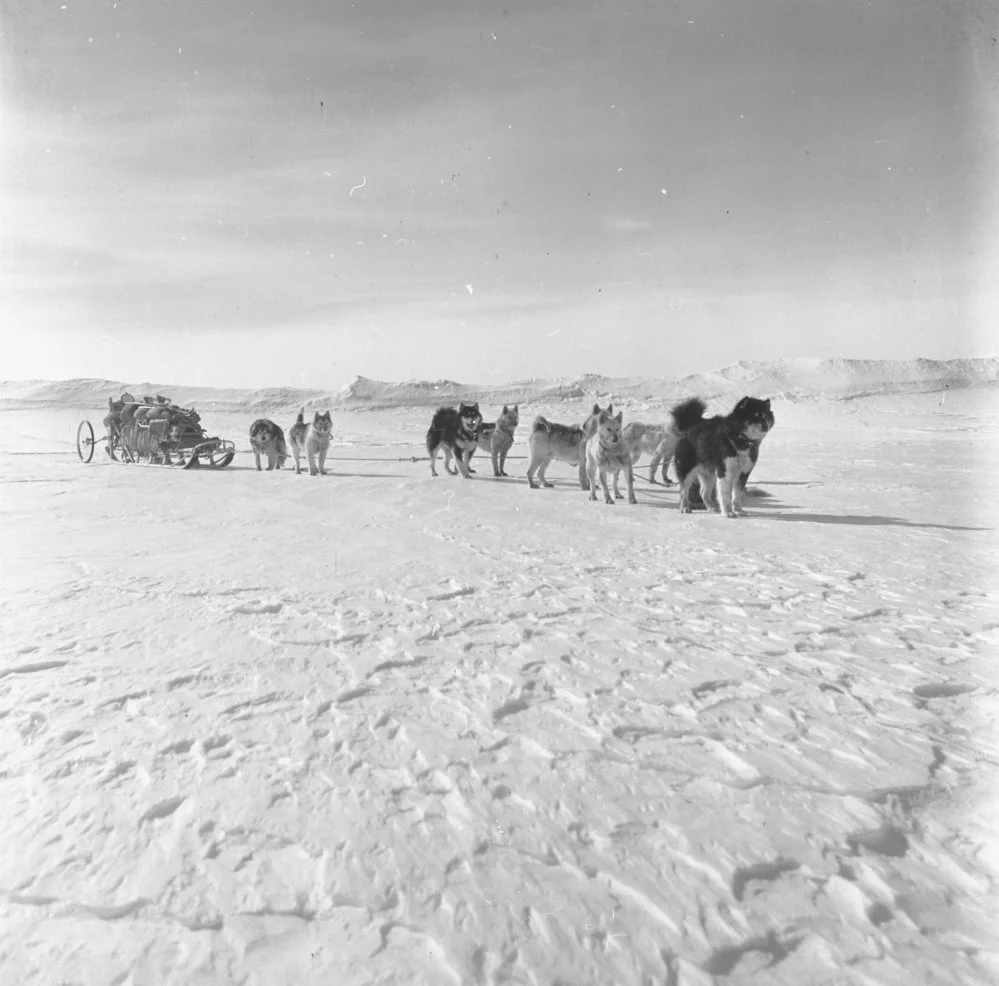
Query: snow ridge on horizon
pixel 791 379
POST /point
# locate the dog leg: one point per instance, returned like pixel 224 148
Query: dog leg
pixel 591 476
pixel 685 483
pixel 584 481
pixel 532 465
pixel 707 482
pixel 256 456
pixel 725 494
pixel 542 470
pixel 657 457
pixel 448 456
pixel 463 461
pixel 433 460
pixel 497 469
pixel 618 495
pixel 311 453
pixel 739 493
pixel 629 476
pixel 603 483
pixel 271 461
pixel 297 452
pixel 322 460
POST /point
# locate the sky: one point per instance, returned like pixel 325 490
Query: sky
pixel 297 192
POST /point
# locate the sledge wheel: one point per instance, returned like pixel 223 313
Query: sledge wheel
pixel 221 458
pixel 85 441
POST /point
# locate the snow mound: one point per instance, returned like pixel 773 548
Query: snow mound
pixel 42 394
pixel 790 379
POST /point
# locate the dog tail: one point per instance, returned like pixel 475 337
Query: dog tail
pixel 301 417
pixel 689 413
pixel 541 424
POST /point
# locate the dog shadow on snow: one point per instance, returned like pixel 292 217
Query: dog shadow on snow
pixel 305 472
pixel 857 520
pixel 869 520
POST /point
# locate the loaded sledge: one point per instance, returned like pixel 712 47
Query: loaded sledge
pixel 153 431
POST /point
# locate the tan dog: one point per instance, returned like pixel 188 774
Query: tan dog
pixel 313 439
pixel 567 443
pixel 497 439
pixel 657 440
pixel 606 452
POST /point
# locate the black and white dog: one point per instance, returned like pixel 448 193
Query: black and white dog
pixel 723 449
pixel 458 433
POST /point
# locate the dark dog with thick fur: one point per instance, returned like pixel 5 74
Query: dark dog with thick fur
pixel 458 433
pixel 267 438
pixel 723 448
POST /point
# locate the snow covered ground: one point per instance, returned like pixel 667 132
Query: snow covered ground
pixel 373 728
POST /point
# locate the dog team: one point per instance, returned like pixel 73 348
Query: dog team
pixel 719 452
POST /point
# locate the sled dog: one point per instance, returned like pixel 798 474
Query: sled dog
pixel 313 439
pixel 496 438
pixel 659 440
pixel 723 448
pixel 457 431
pixel 567 443
pixel 607 452
pixel 267 438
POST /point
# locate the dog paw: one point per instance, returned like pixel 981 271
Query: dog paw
pixel 632 501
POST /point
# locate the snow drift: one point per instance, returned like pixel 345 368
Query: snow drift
pixel 799 379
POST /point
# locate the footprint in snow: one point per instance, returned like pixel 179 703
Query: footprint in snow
pixel 761 871
pixel 887 841
pixel 258 608
pixel 466 591
pixel 33 668
pixel 942 690
pixel 163 809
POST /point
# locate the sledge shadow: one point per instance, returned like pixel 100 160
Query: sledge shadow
pixel 872 520
pixel 304 472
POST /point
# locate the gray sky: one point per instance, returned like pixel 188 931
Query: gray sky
pixel 293 192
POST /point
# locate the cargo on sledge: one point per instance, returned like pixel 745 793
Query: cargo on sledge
pixel 153 431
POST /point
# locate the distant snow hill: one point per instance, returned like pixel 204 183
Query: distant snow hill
pixel 792 379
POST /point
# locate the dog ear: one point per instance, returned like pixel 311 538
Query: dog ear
pixel 516 407
pixel 596 409
pixel 610 408
pixel 505 410
pixel 619 416
pixel 767 402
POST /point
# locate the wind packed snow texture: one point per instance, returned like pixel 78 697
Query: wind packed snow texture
pixel 373 729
